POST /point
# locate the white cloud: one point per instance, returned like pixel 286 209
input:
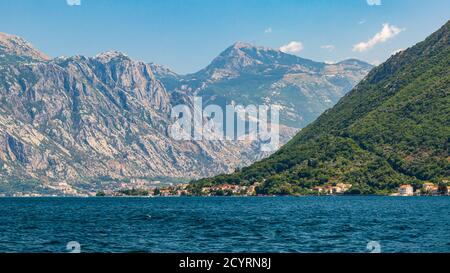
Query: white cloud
pixel 292 47
pixel 73 2
pixel 268 30
pixel 373 2
pixel 386 33
pixel 363 21
pixel 328 47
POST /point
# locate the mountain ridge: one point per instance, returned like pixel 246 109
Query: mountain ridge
pixel 246 74
pixel 14 49
pixel 392 128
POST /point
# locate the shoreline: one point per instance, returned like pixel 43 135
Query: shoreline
pixel 235 196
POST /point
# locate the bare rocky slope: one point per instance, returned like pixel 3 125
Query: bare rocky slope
pixel 246 74
pixel 93 122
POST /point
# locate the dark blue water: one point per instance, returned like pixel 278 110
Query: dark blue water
pixel 226 224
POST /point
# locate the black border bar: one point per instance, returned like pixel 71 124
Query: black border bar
pixel 252 262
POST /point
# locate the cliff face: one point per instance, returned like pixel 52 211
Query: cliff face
pixel 81 119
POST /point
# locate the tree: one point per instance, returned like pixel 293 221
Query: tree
pixel 442 189
pixel 157 191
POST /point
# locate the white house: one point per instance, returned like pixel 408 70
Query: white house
pixel 406 190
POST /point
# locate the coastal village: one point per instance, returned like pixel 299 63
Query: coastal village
pixel 182 189
pixel 427 189
pixel 142 188
pixel 145 188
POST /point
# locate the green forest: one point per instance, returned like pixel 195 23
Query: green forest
pixel 393 128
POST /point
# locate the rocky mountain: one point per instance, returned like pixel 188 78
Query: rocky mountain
pixel 94 121
pixel 392 128
pixel 245 74
pixel 14 49
pixel 72 125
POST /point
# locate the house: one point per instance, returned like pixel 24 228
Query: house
pixel 336 189
pixel 406 190
pixel 206 190
pixel 340 188
pixel 251 190
pixel 329 189
pixel 183 186
pixel 165 192
pixel 223 187
pixel 343 186
pixel 430 188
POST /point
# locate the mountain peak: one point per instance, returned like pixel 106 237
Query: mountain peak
pixel 16 48
pixel 6 37
pixel 241 45
pixel 110 55
pixel 243 56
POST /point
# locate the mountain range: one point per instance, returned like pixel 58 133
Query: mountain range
pixel 393 128
pixel 91 123
pixel 245 74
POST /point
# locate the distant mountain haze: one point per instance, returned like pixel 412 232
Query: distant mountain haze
pixel 247 74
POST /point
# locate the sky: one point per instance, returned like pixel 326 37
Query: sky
pixel 186 35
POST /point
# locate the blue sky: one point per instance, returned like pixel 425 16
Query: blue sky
pixel 186 35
